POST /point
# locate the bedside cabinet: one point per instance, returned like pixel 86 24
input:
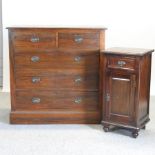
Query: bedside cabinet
pixel 125 88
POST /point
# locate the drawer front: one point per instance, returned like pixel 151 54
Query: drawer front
pixel 122 63
pixel 33 39
pixel 52 72
pixel 46 100
pixel 59 60
pixel 78 40
pixel 60 82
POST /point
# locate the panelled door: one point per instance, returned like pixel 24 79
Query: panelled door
pixel 120 97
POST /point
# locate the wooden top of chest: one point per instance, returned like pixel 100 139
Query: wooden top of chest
pixel 60 28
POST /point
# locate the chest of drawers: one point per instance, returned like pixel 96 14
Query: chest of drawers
pixel 54 75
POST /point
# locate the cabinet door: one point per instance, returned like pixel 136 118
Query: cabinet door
pixel 120 97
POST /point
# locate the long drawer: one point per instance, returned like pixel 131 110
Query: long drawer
pixel 46 100
pixel 59 81
pixel 61 59
pixel 20 72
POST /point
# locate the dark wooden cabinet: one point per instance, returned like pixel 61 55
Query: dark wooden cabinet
pixel 125 88
pixel 54 75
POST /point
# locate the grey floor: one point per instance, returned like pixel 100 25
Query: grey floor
pixel 71 139
pixel 4 107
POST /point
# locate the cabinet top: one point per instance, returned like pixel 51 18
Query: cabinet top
pixel 127 51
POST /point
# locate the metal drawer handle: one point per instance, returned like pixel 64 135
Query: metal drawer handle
pixel 35 79
pixel 78 79
pixel 78 100
pixel 78 39
pixel 121 63
pixel 77 58
pixel 36 100
pixel 35 59
pixel 34 39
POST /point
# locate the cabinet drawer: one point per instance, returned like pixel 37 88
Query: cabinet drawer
pixel 122 63
pixel 78 40
pixel 60 82
pixel 46 100
pixel 33 39
pixel 57 60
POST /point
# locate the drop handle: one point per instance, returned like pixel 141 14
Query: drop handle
pixel 35 100
pixel 78 100
pixel 78 39
pixel 78 80
pixel 77 58
pixel 35 59
pixel 34 39
pixel 35 79
pixel 121 63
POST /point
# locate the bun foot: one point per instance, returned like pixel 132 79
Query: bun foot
pixel 106 129
pixel 135 134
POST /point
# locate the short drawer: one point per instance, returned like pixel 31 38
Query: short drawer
pixel 78 40
pixel 64 81
pixel 33 39
pixel 47 100
pixel 121 62
pixel 59 60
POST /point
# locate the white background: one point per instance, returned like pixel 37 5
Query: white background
pixel 130 23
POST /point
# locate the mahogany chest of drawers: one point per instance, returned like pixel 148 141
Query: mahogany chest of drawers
pixel 54 75
pixel 126 88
